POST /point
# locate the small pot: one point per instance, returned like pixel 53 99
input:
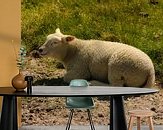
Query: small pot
pixel 18 82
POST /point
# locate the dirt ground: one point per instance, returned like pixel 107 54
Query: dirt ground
pixel 52 111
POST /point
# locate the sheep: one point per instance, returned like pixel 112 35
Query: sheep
pixel 100 62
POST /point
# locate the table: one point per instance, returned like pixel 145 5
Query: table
pixel 116 94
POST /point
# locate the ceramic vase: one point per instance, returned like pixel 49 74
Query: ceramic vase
pixel 18 82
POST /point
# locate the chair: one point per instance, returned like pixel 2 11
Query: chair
pixel 140 114
pixel 79 102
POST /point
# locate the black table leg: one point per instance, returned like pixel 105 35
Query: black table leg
pixel 117 114
pixel 9 113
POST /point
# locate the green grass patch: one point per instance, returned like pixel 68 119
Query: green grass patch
pixel 134 22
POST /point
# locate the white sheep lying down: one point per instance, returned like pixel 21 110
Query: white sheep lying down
pixel 112 63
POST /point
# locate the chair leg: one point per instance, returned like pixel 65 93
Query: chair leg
pixel 70 119
pixel 151 123
pixel 131 123
pixel 90 120
pixel 138 123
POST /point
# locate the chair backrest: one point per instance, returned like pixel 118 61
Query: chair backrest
pixel 79 102
pixel 79 83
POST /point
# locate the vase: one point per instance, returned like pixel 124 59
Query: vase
pixel 18 82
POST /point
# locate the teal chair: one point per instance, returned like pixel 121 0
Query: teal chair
pixel 79 102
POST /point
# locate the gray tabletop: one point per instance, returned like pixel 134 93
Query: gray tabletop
pixel 65 91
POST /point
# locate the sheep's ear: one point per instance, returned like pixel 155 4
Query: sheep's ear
pixel 57 30
pixel 69 38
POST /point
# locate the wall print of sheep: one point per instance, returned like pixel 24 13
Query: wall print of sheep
pixel 100 62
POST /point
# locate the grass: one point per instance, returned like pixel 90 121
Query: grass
pixel 134 22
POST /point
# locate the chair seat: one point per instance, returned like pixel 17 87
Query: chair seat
pixel 79 102
pixel 141 113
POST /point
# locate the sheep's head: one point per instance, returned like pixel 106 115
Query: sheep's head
pixel 56 45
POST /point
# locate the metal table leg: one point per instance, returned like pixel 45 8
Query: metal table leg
pixel 117 114
pixel 9 113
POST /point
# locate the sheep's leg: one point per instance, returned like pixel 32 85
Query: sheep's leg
pixel 115 78
pixel 98 83
pixel 118 81
pixel 115 73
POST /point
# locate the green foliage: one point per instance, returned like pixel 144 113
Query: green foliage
pixel 21 60
pixel 134 22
